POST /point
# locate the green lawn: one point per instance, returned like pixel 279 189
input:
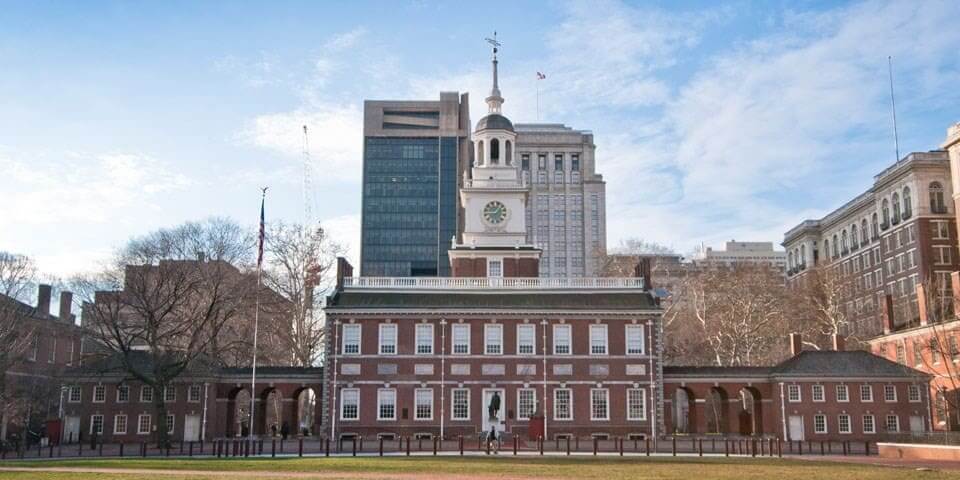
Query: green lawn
pixel 550 467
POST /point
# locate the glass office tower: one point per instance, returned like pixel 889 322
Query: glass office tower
pixel 412 158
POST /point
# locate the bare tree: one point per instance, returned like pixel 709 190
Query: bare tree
pixel 17 276
pixel 162 305
pixel 822 302
pixel 299 266
pixel 739 312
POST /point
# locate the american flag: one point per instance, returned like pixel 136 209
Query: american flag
pixel 541 76
pixel 263 233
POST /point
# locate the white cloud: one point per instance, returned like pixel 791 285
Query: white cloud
pixel 346 230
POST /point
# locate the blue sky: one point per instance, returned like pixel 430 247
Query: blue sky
pixel 712 120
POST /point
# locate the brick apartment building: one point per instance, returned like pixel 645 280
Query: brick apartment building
pixel 896 235
pixel 56 345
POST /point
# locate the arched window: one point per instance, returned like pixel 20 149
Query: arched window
pixel 843 242
pixel 836 246
pixel 480 158
pixel 826 248
pixel 907 203
pixel 936 198
pixel 803 255
pixel 790 261
pixel 876 228
pixel 896 208
pixel 864 235
pixel 494 151
pixel 509 151
pixel 885 211
pixel 854 244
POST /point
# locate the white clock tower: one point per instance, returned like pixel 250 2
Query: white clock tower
pixel 494 201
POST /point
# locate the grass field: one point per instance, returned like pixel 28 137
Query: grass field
pixel 472 467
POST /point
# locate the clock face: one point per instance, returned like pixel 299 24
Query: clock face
pixel 495 212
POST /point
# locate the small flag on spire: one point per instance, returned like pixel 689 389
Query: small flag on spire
pixel 541 76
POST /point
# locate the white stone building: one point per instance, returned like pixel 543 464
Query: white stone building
pixel 744 252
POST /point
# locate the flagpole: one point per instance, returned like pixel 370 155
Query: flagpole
pixel 256 318
pixel 538 96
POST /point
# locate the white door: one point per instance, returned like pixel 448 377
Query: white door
pixel 71 429
pixel 916 423
pixel 497 421
pixel 796 427
pixel 191 428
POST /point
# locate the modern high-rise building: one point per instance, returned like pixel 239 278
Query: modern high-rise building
pixel 566 212
pixel 413 153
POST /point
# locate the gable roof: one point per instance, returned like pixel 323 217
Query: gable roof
pixel 853 363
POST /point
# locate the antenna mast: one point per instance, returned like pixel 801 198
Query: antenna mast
pixel 893 104
pixel 307 181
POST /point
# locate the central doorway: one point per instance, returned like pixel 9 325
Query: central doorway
pixel 487 422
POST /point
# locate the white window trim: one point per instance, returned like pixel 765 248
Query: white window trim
pixel 415 392
pixel 607 395
pixel 456 326
pixel 643 339
pixel 865 431
pixel 643 402
pixel 555 403
pixel 170 398
pixel 836 392
pixel 143 389
pixel 75 388
pixel 486 328
pixel 495 260
pixel 799 393
pixel 416 339
pixel 534 390
pixel 380 403
pixel 171 422
pixel 453 405
pixel 343 404
pixel 823 394
pixel 826 426
pixel 126 424
pixel 919 394
pixel 380 342
pixel 849 424
pixel 199 393
pixel 343 339
pixel 569 344
pixel 103 398
pixel 896 396
pixel 869 389
pixel 522 326
pixel 92 423
pixel 140 424
pixel 606 339
pixel 886 423
pixel 119 388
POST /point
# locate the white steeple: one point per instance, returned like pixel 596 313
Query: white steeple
pixel 494 101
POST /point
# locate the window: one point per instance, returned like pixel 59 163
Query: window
pixel 939 230
pixel 99 394
pixel 558 161
pixel 424 338
pixel 913 393
pixel 170 394
pixel 170 423
pixel 893 423
pixel 193 394
pixel 896 208
pixel 636 404
pixel 146 394
pixel 76 394
pixel 869 424
pixel 575 162
pixel 351 339
pixel 52 354
pixel 819 423
pixel 917 353
pixel 388 338
pixel 889 393
pixel 940 407
pixel 143 424
pixel 386 404
pixel 936 198
pixel 461 404
pixel 526 339
pixel 598 339
pixel 817 393
pixel 562 404
pixel 866 393
pixel 96 424
pixel 635 340
pixel 123 393
pixel 461 339
pixel 349 404
pixel 34 348
pixel 120 424
pixel 493 339
pixel 423 404
pixel 526 403
pixel 599 404
pixel 907 207
pixel 494 268
pixel 525 161
pixel 885 210
pixel 793 393
pixel 843 423
pixel 542 161
pixel 561 340
pixel 843 393
pixel 874 226
pixel 901 354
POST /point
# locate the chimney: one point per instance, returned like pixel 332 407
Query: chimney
pixel 344 269
pixel 922 305
pixel 43 299
pixel 839 343
pixel 886 313
pixel 66 304
pixel 796 344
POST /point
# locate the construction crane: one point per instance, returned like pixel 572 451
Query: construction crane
pixel 307 181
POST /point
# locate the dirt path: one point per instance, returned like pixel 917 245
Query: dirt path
pixel 259 474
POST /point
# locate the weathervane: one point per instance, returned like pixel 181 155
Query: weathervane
pixel 493 41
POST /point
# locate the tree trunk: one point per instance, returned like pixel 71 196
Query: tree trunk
pixel 160 408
